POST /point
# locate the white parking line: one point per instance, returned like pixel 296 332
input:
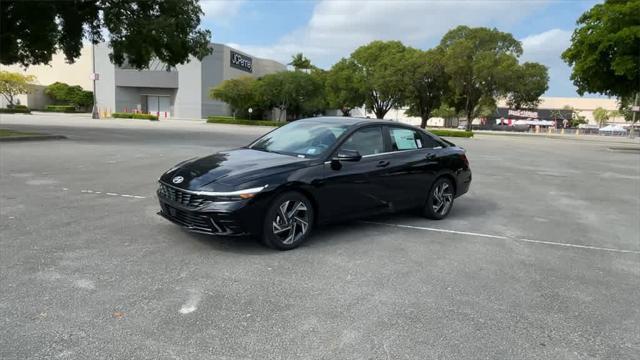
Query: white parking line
pixel 112 194
pixel 589 247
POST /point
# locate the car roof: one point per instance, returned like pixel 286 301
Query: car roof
pixel 339 120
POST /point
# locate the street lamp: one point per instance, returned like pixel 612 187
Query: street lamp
pixel 94 112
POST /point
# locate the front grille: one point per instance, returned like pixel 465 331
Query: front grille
pixel 205 222
pixel 182 197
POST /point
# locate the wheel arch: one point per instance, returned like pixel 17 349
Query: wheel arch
pixel 302 189
pixel 452 179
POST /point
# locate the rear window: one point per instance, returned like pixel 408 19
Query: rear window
pixel 405 139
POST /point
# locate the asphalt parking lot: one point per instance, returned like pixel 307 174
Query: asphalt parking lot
pixel 540 260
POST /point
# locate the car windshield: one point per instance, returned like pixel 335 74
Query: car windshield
pixel 307 139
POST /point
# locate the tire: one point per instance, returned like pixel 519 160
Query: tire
pixel 288 221
pixel 440 200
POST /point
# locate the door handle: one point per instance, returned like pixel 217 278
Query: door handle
pixel 430 156
pixel 383 163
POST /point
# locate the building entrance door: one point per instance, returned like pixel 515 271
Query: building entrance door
pixel 159 105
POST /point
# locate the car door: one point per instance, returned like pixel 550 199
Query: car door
pixel 413 164
pixel 353 188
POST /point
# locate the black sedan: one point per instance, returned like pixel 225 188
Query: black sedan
pixel 314 171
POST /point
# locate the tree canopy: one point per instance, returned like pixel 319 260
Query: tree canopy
pixel 345 86
pixel 601 116
pixel 427 82
pixel 380 66
pixel 605 49
pixel 139 30
pixel 12 84
pixel 297 93
pixel 301 63
pixel 482 65
pixel 240 94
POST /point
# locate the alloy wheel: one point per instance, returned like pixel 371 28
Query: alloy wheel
pixel 291 221
pixel 442 198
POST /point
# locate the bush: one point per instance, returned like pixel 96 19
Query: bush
pixel 451 133
pixel 231 120
pixel 61 108
pixel 16 109
pixel 70 95
pixel 134 116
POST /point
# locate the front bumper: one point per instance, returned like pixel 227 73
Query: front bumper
pixel 204 222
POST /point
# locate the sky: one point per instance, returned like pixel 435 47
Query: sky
pixel 327 30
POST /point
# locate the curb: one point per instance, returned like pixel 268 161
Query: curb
pixel 625 148
pixel 32 138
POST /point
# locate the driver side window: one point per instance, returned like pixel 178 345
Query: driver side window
pixel 367 141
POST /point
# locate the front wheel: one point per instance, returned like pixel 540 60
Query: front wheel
pixel 440 200
pixel 288 221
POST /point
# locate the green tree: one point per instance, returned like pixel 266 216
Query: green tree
pixel 344 86
pixel 240 94
pixel 624 106
pixel 301 63
pixel 295 92
pixel 481 64
pixel 446 112
pixel 32 31
pixel 605 49
pixel 62 93
pixel 380 65
pixel 601 116
pixel 12 84
pixel 575 118
pixel 427 82
pixel 529 82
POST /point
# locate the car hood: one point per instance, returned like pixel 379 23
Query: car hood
pixel 231 168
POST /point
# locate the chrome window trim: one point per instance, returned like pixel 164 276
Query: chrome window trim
pixel 254 190
pixel 383 153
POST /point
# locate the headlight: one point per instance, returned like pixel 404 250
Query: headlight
pixel 233 195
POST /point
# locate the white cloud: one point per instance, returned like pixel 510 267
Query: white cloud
pixel 546 49
pixel 336 28
pixel 221 11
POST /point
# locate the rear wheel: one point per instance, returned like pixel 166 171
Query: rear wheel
pixel 440 200
pixel 288 221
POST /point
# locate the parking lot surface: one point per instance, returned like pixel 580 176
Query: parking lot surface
pixel 540 260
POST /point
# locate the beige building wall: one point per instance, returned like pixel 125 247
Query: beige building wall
pixel 78 73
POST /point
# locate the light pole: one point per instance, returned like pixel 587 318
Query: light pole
pixel 635 110
pixel 94 111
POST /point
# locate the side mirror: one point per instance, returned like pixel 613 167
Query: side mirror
pixel 347 155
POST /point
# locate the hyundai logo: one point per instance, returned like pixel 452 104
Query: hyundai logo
pixel 177 179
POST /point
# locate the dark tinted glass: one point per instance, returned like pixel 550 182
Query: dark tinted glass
pixel 366 141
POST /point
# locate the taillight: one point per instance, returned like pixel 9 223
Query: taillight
pixel 465 160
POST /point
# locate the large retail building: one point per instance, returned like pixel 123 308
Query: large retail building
pixel 179 92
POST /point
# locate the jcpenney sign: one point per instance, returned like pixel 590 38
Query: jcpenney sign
pixel 241 62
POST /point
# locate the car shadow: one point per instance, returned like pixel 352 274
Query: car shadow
pixel 341 232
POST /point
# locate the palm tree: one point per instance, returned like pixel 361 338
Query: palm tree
pixel 300 63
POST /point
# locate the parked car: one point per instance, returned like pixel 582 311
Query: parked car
pixel 311 172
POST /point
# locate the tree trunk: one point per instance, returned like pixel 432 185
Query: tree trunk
pixel 469 119
pixel 423 122
pixel 380 112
